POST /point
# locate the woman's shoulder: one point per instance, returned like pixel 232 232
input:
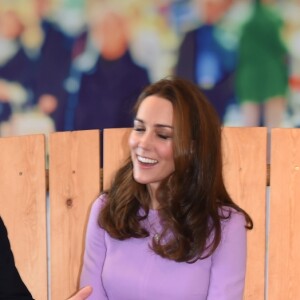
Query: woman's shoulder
pixel 99 202
pixel 93 224
pixel 233 227
pixel 97 206
pixel 231 217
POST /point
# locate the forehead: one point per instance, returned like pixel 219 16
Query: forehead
pixel 156 110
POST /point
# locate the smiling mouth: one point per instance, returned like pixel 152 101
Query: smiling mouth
pixel 146 160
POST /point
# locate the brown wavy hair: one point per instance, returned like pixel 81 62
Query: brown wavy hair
pixel 191 199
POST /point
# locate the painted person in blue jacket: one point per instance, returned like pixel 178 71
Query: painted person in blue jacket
pixel 108 87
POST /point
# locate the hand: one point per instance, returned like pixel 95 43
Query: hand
pixel 82 294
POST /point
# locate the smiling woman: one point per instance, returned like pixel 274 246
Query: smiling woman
pixel 167 228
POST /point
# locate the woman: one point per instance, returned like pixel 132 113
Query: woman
pixel 167 228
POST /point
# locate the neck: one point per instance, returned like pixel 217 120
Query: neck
pixel 152 188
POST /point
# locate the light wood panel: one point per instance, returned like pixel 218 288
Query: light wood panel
pixel 23 205
pixel 284 239
pixel 115 150
pixel 74 173
pixel 75 183
pixel 244 159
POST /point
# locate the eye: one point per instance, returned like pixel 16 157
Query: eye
pixel 164 136
pixel 138 128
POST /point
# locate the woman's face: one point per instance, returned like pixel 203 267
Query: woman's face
pixel 151 141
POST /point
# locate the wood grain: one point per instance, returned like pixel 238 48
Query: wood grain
pixel 74 174
pixel 115 151
pixel 244 159
pixel 23 207
pixel 284 240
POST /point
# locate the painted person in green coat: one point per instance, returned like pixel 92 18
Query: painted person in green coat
pixel 262 69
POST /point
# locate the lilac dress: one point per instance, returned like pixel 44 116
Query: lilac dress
pixel 130 270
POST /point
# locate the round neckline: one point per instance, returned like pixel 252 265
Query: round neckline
pixel 153 211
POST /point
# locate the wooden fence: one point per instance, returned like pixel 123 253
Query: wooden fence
pixel 48 239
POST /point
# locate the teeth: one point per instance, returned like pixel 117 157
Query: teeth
pixel 146 160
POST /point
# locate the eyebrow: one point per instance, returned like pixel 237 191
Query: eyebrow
pixel 156 125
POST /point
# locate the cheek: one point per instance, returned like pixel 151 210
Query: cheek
pixel 132 141
pixel 167 153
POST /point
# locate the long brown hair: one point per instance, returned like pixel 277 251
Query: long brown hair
pixel 191 199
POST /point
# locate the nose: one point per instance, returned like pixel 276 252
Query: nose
pixel 146 141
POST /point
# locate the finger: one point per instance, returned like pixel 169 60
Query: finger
pixel 82 294
pixel 85 292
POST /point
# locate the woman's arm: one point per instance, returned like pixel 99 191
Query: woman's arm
pixel 227 278
pixel 94 255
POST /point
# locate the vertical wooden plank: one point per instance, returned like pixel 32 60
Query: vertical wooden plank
pixel 115 150
pixel 22 207
pixel 74 174
pixel 244 159
pixel 284 240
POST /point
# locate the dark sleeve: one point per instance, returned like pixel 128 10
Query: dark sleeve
pixel 11 284
pixel 186 57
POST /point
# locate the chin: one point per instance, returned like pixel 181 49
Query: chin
pixel 140 180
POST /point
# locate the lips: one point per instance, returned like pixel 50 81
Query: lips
pixel 146 160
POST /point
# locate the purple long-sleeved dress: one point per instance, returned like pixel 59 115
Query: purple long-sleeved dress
pixel 130 270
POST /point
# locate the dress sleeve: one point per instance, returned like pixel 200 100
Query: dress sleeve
pixel 227 278
pixel 94 254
